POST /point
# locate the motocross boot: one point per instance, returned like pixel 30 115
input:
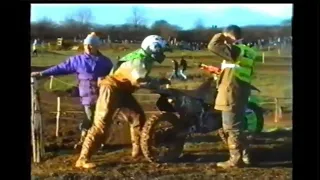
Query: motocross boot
pixel 135 140
pixel 245 152
pixel 83 163
pixel 235 160
pixel 88 147
pixel 245 157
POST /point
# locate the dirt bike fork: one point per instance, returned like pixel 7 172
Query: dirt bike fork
pixel 202 118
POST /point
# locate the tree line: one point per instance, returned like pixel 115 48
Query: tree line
pixel 78 25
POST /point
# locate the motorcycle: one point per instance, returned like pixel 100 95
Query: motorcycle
pixel 187 112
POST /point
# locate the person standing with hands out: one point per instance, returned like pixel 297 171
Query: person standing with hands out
pixel 234 85
pixel 89 67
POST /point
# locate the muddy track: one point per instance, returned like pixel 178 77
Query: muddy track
pixel 271 154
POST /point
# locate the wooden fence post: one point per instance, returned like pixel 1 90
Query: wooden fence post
pixel 276 110
pixel 51 81
pixel 36 123
pixel 58 117
pixel 279 112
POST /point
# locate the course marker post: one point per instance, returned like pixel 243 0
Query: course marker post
pixel 51 81
pixel 58 117
pixel 276 110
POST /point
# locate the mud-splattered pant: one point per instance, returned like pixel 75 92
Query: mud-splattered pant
pixel 232 125
pixel 110 99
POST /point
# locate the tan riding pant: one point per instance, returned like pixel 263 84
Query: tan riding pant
pixel 111 98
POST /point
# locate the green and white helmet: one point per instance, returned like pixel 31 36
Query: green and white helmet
pixel 155 44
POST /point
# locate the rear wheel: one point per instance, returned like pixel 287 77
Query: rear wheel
pixel 162 139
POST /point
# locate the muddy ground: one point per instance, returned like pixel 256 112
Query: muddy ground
pixel 271 152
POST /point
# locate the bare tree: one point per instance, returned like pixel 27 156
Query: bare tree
pixel 163 28
pixel 137 18
pixel 73 27
pixel 83 15
pixel 286 22
pixel 80 22
pixel 198 24
pixel 43 28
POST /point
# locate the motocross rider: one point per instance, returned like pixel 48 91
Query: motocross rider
pixel 233 91
pixel 130 74
pixel 89 67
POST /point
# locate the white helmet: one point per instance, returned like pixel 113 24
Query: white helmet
pixel 154 44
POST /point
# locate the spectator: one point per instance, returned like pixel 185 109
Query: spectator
pixel 89 67
pixel 183 68
pixel 175 69
pixel 233 91
pixel 35 47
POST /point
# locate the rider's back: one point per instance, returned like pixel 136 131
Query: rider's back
pixel 133 66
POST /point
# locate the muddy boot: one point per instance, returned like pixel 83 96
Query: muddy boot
pixel 135 150
pixel 83 163
pixel 235 160
pixel 85 154
pixel 223 135
pixel 135 140
pixel 245 157
pixel 245 150
pixel 101 146
pixel 83 136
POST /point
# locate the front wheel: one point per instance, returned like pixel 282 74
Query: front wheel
pixel 162 139
pixel 254 120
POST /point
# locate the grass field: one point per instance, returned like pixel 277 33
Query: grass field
pixel 273 78
pixel 53 57
pixel 271 150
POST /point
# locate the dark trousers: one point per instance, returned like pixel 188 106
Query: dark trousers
pixel 87 122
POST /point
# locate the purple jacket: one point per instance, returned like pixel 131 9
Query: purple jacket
pixel 88 69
